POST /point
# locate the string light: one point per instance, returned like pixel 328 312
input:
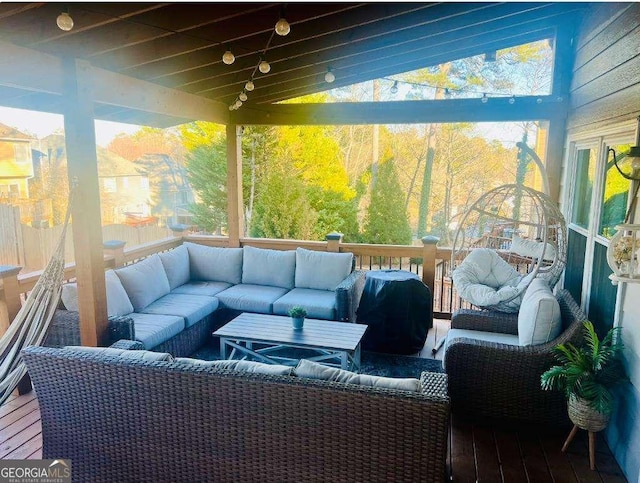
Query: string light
pixel 249 86
pixel 264 67
pixel 228 57
pixel 242 97
pixel 394 88
pixel 64 21
pixel 484 99
pixel 282 27
pixel 329 77
pixel 512 100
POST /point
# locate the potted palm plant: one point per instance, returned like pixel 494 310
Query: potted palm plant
pixel 586 375
pixel 297 315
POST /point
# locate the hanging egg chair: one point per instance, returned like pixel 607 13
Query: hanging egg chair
pixel 509 236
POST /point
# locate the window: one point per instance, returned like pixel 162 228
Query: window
pixel 22 152
pixel 615 193
pixel 109 185
pixel 585 176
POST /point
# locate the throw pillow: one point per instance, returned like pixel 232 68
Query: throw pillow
pixel 313 370
pixel 275 268
pixel 321 270
pixel 118 302
pixel 145 281
pixel 213 264
pixel 176 265
pixel 532 248
pixel 241 366
pixel 539 317
pixel 122 353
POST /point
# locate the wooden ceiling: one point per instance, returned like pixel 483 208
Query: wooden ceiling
pixel 180 45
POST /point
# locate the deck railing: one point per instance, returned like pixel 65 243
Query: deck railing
pixel 429 262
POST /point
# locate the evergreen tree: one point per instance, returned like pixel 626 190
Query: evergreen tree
pixel 386 218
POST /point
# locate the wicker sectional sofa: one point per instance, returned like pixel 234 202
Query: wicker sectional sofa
pixel 123 419
pixel 171 301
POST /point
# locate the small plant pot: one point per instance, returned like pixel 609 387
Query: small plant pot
pixel 298 322
pixel 585 417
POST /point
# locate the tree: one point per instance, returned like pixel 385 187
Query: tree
pixel 386 220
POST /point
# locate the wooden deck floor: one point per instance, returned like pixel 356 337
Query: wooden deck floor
pixel 476 452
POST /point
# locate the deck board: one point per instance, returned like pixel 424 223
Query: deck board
pixel 482 453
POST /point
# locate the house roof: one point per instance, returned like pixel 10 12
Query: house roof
pixel 180 45
pixel 109 164
pixel 11 133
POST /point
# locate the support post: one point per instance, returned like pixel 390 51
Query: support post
pixel 234 185
pixel 82 165
pixel 10 302
pixel 115 249
pixel 429 250
pixel 333 241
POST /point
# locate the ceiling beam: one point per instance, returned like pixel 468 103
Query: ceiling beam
pixel 30 70
pixel 404 112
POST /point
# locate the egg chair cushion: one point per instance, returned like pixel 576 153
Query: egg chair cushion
pixel 487 281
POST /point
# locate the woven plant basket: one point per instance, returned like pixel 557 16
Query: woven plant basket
pixel 585 417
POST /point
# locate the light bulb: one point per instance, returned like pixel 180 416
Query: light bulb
pixel 249 86
pixel 64 21
pixel 232 107
pixel 512 100
pixel 238 103
pixel 484 99
pixel 242 96
pixel 329 76
pixel 228 57
pixel 394 88
pixel 282 27
pixel 264 66
pixel 538 100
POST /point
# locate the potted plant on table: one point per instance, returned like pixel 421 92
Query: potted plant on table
pixel 586 375
pixel 297 315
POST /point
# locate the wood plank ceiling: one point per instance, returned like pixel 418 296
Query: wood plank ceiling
pixel 180 45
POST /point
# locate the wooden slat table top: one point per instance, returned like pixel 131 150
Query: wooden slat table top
pixel 275 329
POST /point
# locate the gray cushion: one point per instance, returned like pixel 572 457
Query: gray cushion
pixel 242 366
pixel 152 330
pixel 202 288
pixel 498 337
pixel 123 353
pixel 321 270
pixel 320 304
pixel 145 281
pixel 539 317
pixel 269 267
pixel 251 298
pixel 192 307
pixel 313 370
pixel 215 264
pixel 176 265
pixel 118 302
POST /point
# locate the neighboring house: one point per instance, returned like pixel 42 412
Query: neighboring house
pixel 16 166
pixel 171 193
pixel 124 192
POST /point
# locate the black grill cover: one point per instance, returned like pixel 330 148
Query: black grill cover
pixel 396 306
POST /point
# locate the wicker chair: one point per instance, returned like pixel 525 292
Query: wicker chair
pixel 500 381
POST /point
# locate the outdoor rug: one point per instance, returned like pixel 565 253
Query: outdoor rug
pixel 372 363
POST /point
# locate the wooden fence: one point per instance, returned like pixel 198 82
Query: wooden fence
pixel 11 249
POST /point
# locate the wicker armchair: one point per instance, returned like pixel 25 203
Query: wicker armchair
pixel 500 381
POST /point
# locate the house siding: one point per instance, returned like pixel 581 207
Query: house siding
pixel 605 90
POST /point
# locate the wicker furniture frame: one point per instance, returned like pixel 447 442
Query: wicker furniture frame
pixel 131 420
pixel 500 381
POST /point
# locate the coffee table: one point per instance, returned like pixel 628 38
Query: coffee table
pixel 330 341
